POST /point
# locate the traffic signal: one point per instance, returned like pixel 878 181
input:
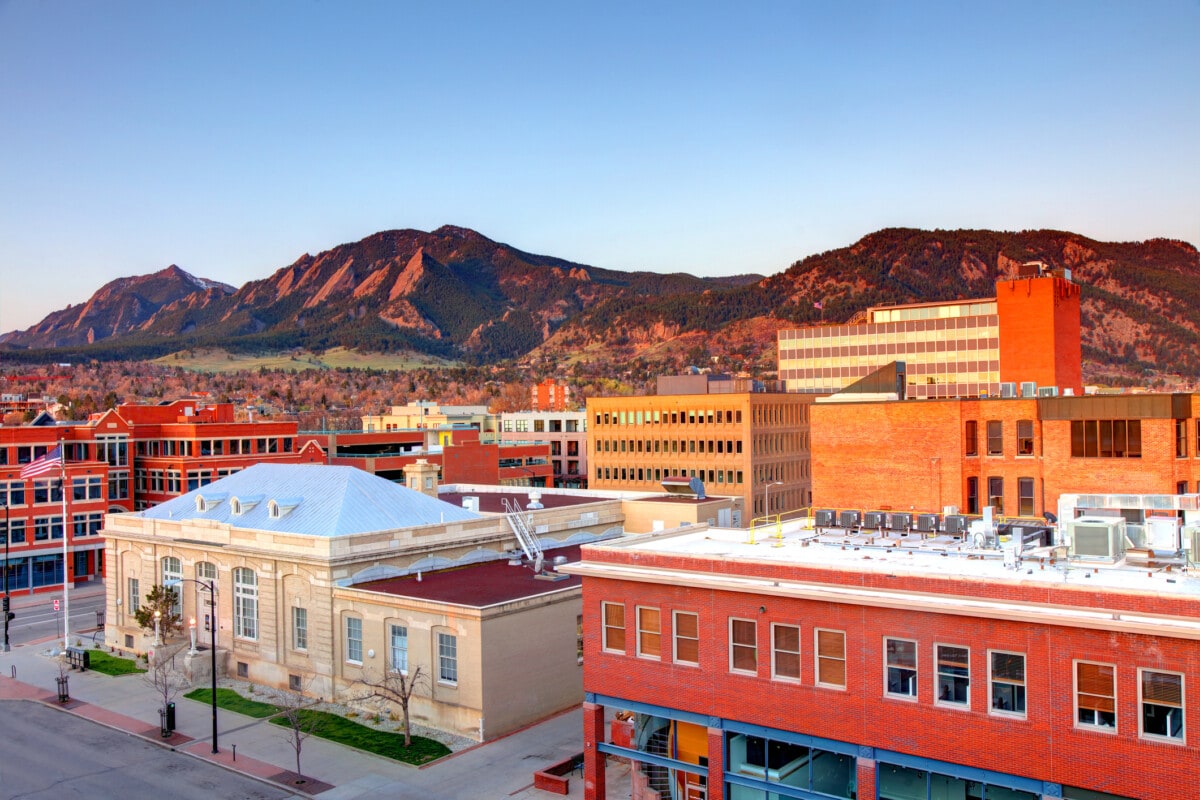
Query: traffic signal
pixel 8 615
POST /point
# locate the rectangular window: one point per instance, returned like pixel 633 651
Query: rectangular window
pixel 953 675
pixel 299 628
pixel 1096 695
pixel 972 495
pixel 1025 497
pixel 354 640
pixel 1007 682
pixel 1161 698
pixel 579 638
pixel 687 637
pixel 1116 438
pixel 398 638
pixel 614 626
pixel 1024 437
pixel 900 662
pixel 831 658
pixel 995 438
pixel 447 658
pixel 1181 443
pixel 785 652
pixel 134 600
pixel 649 632
pixel 743 646
pixel 971 437
pixel 996 494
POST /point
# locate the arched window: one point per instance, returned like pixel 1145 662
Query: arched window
pixel 245 603
pixel 172 576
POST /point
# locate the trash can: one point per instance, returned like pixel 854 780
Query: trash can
pixel 171 717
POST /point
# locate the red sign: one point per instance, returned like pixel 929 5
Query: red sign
pixel 56 605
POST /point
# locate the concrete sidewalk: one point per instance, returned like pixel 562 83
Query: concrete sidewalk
pixel 502 768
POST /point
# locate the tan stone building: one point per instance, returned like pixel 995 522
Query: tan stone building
pixel 297 554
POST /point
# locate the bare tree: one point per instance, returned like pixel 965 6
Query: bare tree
pixel 393 686
pixel 299 720
pixel 163 675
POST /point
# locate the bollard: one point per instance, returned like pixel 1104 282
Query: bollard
pixel 235 752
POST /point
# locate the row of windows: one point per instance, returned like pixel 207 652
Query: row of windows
pixel 1160 693
pixel 690 417
pixel 171 481
pixel 154 448
pixel 715 477
pixel 113 451
pixel 1026 503
pixel 446 643
pixel 543 425
pixel 731 446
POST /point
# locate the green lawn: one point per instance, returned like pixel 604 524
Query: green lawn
pixel 332 727
pixel 383 743
pixel 230 700
pixel 109 664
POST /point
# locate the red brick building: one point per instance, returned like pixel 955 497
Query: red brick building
pixel 1018 455
pixel 899 668
pixel 550 395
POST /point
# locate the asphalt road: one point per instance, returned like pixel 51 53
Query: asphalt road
pixel 41 621
pixel 48 755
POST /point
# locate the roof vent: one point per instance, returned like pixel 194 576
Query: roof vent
pixel 535 500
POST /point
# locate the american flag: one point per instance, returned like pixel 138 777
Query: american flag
pixel 44 465
pixel 818 304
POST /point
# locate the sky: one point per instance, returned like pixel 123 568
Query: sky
pixel 230 138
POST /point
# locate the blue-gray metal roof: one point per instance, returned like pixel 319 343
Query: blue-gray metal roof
pixel 311 499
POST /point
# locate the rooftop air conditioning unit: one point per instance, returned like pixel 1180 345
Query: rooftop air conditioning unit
pixel 471 504
pixel 1029 388
pixel 874 519
pixel 825 517
pixel 1008 389
pixel 849 519
pixel 900 521
pixel 1047 391
pixel 1191 540
pixel 1097 537
pixel 927 523
pixel 954 524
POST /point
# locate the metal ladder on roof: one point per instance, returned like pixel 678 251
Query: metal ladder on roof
pixel 525 535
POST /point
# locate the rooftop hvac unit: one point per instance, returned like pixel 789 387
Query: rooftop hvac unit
pixel 900 521
pixel 1047 391
pixel 825 517
pixel 1008 389
pixel 954 524
pixel 1191 540
pixel 471 504
pixel 1097 537
pixel 1029 389
pixel 874 519
pixel 928 523
pixel 849 519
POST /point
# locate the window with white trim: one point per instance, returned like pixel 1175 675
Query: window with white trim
pixel 785 652
pixel 354 640
pixel 687 637
pixel 649 632
pixel 1006 682
pixel 953 675
pixel 900 668
pixel 245 603
pixel 447 658
pixel 1160 698
pixel 398 636
pixel 299 628
pixel 743 645
pixel 172 578
pixel 831 658
pixel 1096 696
pixel 614 627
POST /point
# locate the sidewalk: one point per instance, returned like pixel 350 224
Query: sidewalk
pixel 500 768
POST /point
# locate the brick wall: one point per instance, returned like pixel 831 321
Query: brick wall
pixel 1045 746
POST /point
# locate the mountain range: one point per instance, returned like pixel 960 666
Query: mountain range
pixel 455 293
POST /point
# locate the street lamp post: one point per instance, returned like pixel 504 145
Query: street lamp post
pixel 157 633
pixel 192 629
pixel 6 599
pixel 767 496
pixel 209 586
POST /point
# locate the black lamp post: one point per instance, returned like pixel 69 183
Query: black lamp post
pixel 210 587
pixel 6 600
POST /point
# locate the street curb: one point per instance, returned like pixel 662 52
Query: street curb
pixel 163 744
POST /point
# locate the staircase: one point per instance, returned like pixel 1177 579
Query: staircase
pixel 525 536
pixel 660 777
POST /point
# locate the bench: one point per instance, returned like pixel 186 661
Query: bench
pixel 79 658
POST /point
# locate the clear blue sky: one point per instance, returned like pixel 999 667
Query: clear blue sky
pixel 715 139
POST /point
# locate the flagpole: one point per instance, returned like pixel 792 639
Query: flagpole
pixel 62 466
